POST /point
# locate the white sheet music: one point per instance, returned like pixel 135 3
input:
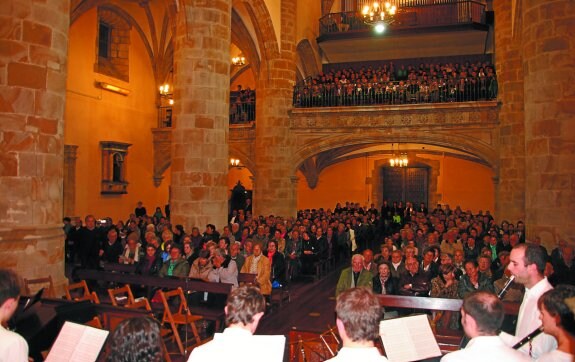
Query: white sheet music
pixel 408 339
pixel 77 343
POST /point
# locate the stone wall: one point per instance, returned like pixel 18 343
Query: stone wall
pixel 33 69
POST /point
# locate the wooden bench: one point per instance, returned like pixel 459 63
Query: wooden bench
pixel 187 284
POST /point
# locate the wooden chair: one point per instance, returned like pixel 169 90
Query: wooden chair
pixel 82 289
pixel 39 283
pixel 123 295
pixel 182 316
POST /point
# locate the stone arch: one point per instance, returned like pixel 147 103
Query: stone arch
pixel 307 59
pixel 266 37
pixel 242 38
pixel 483 151
pixel 236 151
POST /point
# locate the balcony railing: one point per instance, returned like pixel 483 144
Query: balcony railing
pixel 397 92
pixel 413 14
pixel 242 106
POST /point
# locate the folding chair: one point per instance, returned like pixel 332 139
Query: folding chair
pixel 121 296
pixel 82 289
pixel 39 283
pixel 182 316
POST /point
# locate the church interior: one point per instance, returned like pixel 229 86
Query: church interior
pixel 106 103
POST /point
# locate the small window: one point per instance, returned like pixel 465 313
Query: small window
pixel 104 40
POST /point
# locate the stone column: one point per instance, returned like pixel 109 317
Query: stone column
pixel 32 96
pixel 548 53
pixel 200 127
pixel 510 187
pixel 70 152
pixel 274 193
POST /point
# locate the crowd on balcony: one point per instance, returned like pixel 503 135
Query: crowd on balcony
pixel 242 105
pixel 386 84
pixel 442 252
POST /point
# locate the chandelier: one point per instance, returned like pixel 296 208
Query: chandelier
pixel 234 162
pixel 379 16
pixel 239 60
pixel 166 94
pixel 398 159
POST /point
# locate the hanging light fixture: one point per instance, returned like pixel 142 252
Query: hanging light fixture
pixel 239 60
pixel 378 15
pixel 398 159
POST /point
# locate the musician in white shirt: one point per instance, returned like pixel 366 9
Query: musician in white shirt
pixel 527 263
pixel 358 313
pixel 481 316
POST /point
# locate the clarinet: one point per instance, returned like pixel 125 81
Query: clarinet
pixel 505 287
pixel 528 338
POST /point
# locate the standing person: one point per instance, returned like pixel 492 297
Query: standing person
pixel 558 321
pixel 87 242
pixel 140 210
pixel 481 317
pixel 527 264
pixel 244 309
pixel 13 348
pixel 358 313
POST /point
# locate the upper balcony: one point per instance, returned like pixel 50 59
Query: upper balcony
pixel 422 28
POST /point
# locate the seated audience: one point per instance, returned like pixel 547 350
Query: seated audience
pixel 176 266
pixel 277 263
pixel 260 266
pixel 354 276
pixel 473 280
pixel 413 282
pixel 202 266
pixel 225 269
pixel 132 250
pixel 151 263
pixel 445 285
pixel 111 248
pixel 384 282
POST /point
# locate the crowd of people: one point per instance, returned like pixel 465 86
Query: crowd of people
pixel 386 84
pixel 409 250
pixel 242 105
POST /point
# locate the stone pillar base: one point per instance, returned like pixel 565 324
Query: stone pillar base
pixel 35 251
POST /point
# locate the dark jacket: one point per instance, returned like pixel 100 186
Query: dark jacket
pixel 390 285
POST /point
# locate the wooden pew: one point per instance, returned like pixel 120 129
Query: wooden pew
pixel 187 284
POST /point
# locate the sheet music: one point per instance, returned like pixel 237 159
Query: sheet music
pixel 408 339
pixel 77 343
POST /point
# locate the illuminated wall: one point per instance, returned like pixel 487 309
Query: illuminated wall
pixel 460 182
pixel 94 115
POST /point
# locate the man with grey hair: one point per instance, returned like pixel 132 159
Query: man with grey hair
pixel 225 269
pixel 355 276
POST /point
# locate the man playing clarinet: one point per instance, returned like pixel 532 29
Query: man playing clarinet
pixel 527 263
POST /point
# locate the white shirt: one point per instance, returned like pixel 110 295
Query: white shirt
pixel 13 348
pixel 369 354
pixel 556 356
pixel 528 321
pixel 238 344
pixel 486 348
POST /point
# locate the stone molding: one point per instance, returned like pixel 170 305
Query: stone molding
pixel 70 156
pixel 413 115
pixel 162 138
pixel 243 132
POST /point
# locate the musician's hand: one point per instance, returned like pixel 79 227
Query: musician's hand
pixel 407 286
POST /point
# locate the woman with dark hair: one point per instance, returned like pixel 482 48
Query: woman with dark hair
pixel 558 321
pixel 445 284
pixel 135 340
